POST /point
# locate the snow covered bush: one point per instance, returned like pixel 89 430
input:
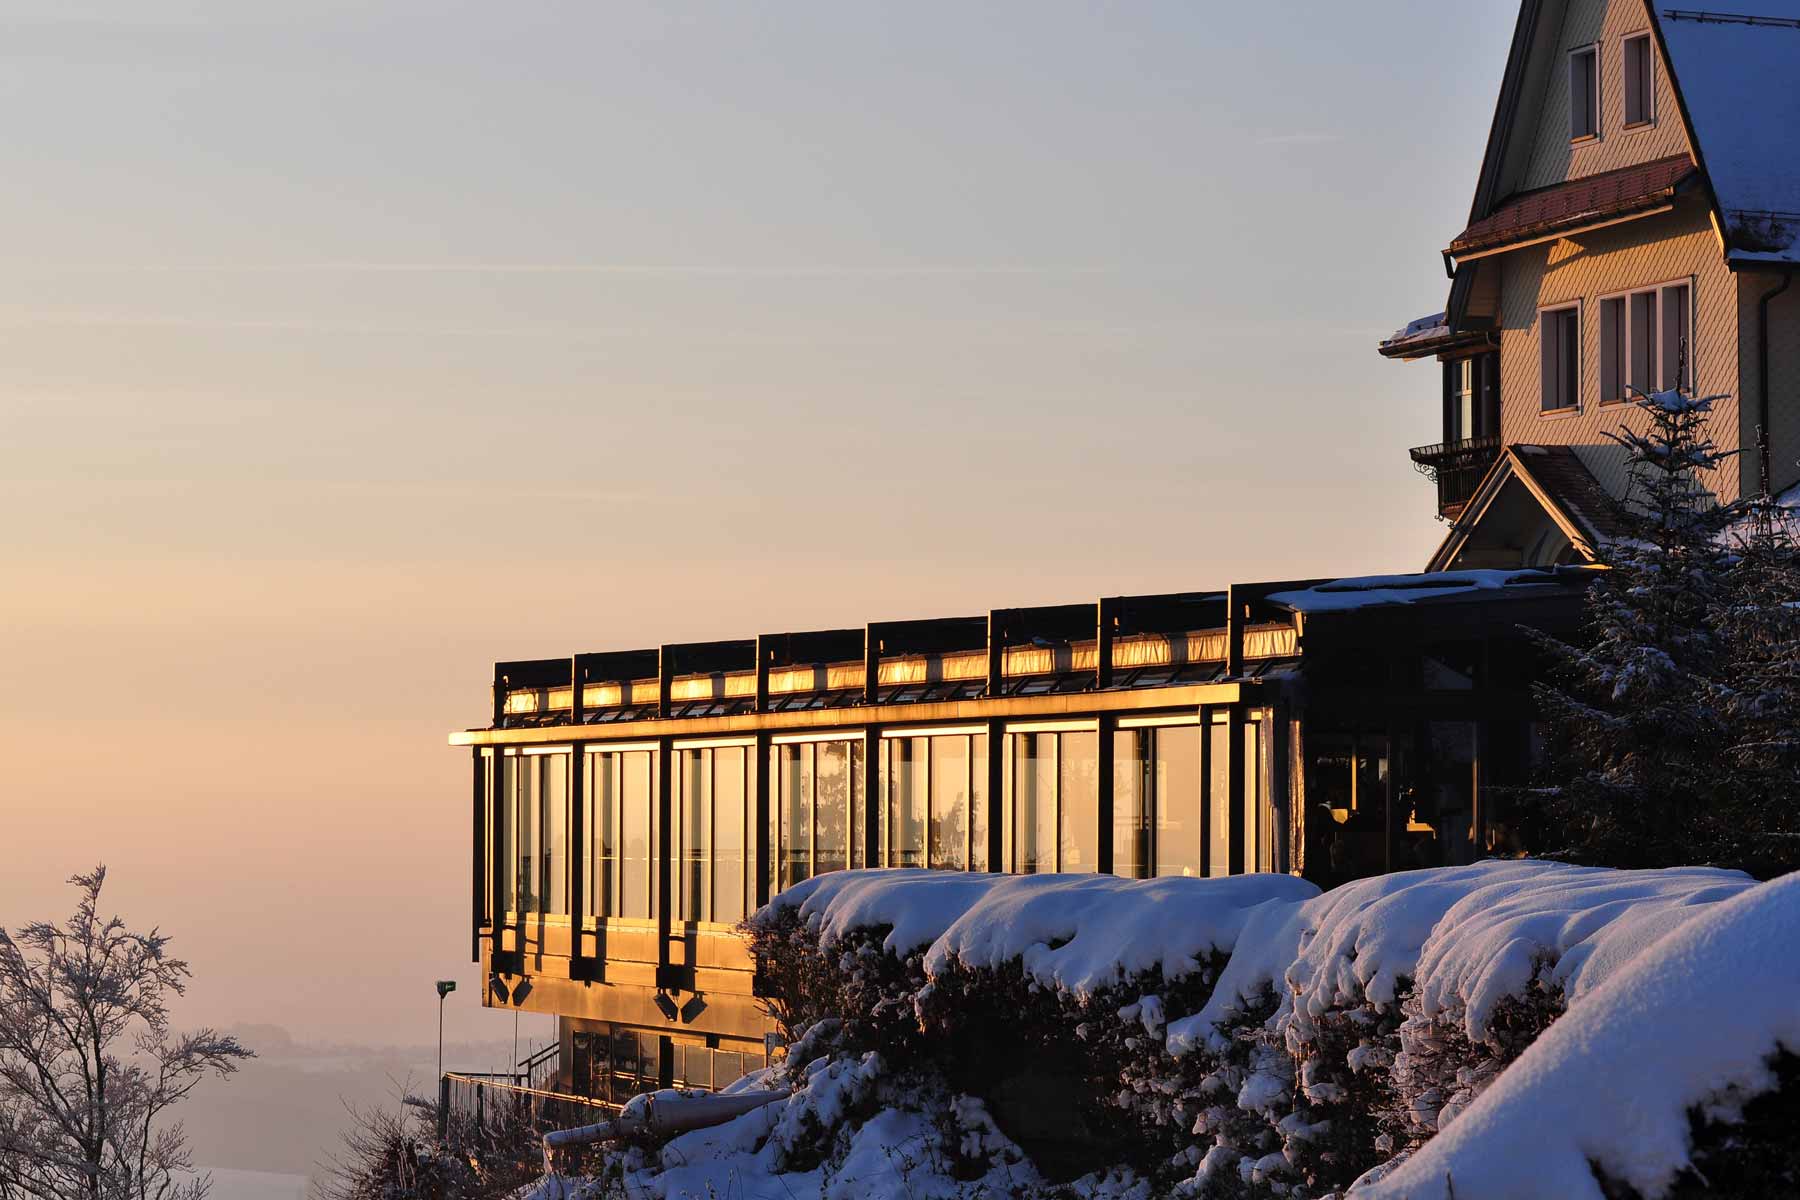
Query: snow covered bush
pixel 1249 1038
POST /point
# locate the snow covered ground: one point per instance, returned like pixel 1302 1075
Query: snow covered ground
pixel 1655 993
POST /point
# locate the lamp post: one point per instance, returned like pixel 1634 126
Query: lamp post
pixel 444 988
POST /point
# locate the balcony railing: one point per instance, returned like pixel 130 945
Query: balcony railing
pixel 1457 469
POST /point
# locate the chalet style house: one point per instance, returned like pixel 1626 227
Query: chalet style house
pixel 1636 225
pixel 1633 224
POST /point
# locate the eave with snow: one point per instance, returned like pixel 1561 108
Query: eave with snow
pixel 1635 225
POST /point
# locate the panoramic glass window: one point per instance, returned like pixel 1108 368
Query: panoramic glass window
pixel 934 796
pixel 711 792
pixel 619 804
pixel 1053 801
pixel 1157 801
pixel 1218 850
pixel 819 793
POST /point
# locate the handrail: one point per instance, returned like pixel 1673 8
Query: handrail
pixel 487 1080
pixel 1440 450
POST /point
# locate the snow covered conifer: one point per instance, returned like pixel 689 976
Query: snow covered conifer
pixel 1638 710
pixel 1758 621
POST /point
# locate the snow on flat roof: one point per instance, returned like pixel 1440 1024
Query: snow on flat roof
pixel 1371 591
pixel 1690 1022
pixel 1739 83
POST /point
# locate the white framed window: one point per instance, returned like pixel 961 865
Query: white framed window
pixel 1646 340
pixel 1638 70
pixel 1559 349
pixel 1584 92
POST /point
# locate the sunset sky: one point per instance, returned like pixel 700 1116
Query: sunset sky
pixel 347 347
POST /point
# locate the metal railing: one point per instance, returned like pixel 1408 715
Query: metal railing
pixel 1456 467
pixel 482 1107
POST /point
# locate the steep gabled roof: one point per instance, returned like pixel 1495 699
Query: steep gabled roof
pixel 1738 79
pixel 1558 480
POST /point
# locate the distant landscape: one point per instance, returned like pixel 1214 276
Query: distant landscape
pixel 282 1115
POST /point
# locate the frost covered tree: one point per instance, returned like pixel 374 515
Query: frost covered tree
pixel 1639 709
pixel 89 1066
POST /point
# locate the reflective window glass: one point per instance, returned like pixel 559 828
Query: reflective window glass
pixel 831 829
pixel 1218 797
pixel 949 802
pixel 730 853
pixel 1175 776
pixel 1078 801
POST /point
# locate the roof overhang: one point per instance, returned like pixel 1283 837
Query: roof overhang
pixel 1576 206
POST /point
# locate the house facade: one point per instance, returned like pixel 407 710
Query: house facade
pixel 1636 226
pixel 629 809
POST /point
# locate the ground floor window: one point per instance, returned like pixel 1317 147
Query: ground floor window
pixel 815 822
pixel 713 793
pixel 1053 801
pixel 615 1063
pixel 1157 801
pixel 934 800
pixel 619 811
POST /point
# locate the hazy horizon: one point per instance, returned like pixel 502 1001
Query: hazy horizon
pixel 350 350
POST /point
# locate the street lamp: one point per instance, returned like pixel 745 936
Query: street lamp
pixel 444 987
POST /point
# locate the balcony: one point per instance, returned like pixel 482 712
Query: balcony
pixel 1457 469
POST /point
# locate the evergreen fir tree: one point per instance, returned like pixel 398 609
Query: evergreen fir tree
pixel 1638 711
pixel 1758 622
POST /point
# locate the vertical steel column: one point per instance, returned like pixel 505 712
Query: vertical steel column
pixel 996 803
pixel 1236 607
pixel 996 652
pixel 1239 863
pixel 1207 799
pixel 1103 762
pixel 577 693
pixel 479 823
pixel 1106 625
pixel 765 845
pixel 765 651
pixel 871 663
pixel 577 871
pixel 872 798
pixel 499 696
pixel 498 799
pixel 665 677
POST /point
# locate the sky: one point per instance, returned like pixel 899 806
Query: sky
pixel 346 348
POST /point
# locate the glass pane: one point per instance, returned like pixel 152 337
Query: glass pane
pixel 950 803
pixel 1131 825
pixel 1218 799
pixel 906 802
pixel 693 795
pixel 693 1065
pixel 603 800
pixel 1252 795
pixel 508 833
pixel 796 814
pixel 1034 802
pixel 978 803
pixel 554 771
pixel 729 850
pixel 727 1068
pixel 831 831
pixel 635 832
pixel 1176 779
pixel 1078 800
pixel 859 807
pixel 530 833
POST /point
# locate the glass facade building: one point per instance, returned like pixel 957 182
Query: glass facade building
pixel 630 809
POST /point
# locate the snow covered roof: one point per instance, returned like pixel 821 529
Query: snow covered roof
pixel 1376 591
pixel 1426 337
pixel 1737 80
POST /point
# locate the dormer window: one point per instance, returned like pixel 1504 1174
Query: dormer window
pixel 1640 81
pixel 1584 93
